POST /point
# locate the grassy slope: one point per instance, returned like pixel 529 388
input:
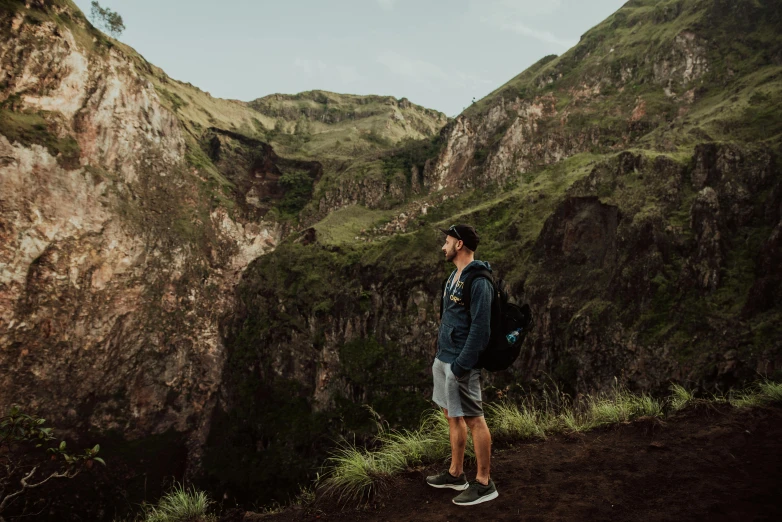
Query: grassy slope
pixel 736 99
pixel 338 126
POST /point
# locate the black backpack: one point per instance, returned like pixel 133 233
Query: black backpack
pixel 506 317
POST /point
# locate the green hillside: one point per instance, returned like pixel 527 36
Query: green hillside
pixel 697 72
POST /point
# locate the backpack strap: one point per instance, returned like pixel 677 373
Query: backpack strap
pixel 467 291
pixel 442 295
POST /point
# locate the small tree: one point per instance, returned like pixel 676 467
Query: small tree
pixel 27 463
pixel 107 19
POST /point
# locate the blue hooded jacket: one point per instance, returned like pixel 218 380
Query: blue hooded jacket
pixel 464 334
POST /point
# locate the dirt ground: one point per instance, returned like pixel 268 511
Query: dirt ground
pixel 706 463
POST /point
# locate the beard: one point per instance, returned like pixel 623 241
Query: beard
pixel 450 254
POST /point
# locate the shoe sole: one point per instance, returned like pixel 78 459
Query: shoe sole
pixel 485 498
pixel 457 487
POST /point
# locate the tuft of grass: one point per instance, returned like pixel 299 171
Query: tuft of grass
pixel 759 394
pixel 772 391
pixel 571 421
pixel 681 397
pixel 525 422
pixel 355 473
pixel 621 406
pixel 181 505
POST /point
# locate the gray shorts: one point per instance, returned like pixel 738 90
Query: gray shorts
pixel 461 397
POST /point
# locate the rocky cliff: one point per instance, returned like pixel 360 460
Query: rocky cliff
pixel 116 266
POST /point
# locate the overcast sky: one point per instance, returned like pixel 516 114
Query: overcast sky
pixel 437 53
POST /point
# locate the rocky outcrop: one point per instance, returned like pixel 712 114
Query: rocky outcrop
pixel 331 108
pixel 254 171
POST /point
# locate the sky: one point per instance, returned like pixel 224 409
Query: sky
pixel 437 53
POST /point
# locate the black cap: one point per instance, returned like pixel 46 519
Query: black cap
pixel 465 233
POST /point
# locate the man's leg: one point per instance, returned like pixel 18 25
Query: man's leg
pixel 481 439
pixel 457 430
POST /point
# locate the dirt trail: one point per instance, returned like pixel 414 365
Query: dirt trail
pixel 708 464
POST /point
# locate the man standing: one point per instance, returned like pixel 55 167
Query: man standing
pixel 457 383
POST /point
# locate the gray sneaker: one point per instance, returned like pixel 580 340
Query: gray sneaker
pixel 476 493
pixel 446 480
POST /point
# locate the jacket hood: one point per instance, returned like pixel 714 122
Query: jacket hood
pixel 477 265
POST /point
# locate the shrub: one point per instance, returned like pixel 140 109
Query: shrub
pixel 298 190
pixel 29 458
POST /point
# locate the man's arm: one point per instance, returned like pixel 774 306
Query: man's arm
pixel 480 327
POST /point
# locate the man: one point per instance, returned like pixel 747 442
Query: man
pixel 457 385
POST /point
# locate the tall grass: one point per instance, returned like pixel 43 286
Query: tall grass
pixel 509 421
pixel 353 473
pixel 680 397
pixel 181 505
pixel 759 394
pixel 356 473
pixel 622 406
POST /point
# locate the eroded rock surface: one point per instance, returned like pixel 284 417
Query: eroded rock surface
pixel 114 270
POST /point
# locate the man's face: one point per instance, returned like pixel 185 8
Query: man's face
pixel 450 247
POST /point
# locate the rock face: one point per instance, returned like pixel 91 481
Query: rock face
pixel 115 268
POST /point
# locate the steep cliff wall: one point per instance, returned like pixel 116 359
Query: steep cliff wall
pixel 116 264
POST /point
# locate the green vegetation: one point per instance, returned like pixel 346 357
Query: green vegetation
pixel 109 20
pixel 348 133
pixel 174 99
pixel 759 394
pixel 29 457
pixel 298 189
pixel 32 127
pixel 509 421
pixel 354 473
pixel 680 397
pixel 342 226
pixel 181 505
